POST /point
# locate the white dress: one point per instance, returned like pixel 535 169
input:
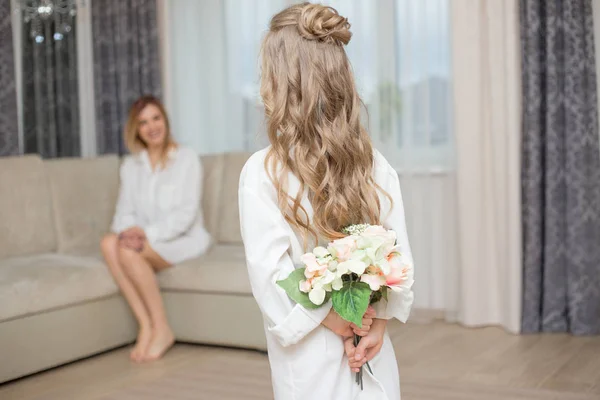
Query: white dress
pixel 308 360
pixel 165 203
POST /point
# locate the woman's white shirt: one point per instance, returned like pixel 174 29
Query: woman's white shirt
pixel 165 203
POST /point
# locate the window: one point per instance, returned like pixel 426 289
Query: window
pixel 423 95
pixel 400 56
pixel 54 77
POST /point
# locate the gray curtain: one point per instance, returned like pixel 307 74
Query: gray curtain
pixel 126 64
pixel 560 169
pixel 50 94
pixel 9 120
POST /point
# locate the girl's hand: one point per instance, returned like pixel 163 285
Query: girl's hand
pixel 368 347
pixel 350 350
pixel 344 328
pixel 337 324
pixel 367 321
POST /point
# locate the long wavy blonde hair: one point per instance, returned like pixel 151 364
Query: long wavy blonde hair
pixel 313 123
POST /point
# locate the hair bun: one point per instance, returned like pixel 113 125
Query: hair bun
pixel 318 22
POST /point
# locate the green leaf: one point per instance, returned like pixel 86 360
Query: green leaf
pixel 291 285
pixel 351 301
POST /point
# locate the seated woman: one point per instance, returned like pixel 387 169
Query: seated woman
pixel 158 221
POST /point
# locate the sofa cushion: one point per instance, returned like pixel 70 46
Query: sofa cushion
pixel 221 270
pixel 84 193
pixel 229 221
pixel 26 220
pixel 212 168
pixel 38 283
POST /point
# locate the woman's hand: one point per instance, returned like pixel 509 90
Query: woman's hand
pixel 133 238
pixel 368 347
pixel 134 231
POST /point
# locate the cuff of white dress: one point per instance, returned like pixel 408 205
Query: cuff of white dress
pixel 151 233
pixel 299 323
pixel 400 302
pixel 123 224
pixel 381 309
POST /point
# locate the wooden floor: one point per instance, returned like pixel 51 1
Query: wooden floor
pixel 437 361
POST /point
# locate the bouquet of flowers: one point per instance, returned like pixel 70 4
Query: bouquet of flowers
pixel 353 272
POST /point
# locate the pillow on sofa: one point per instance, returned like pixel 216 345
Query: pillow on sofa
pixel 212 168
pixel 84 192
pixel 26 220
pixel 229 221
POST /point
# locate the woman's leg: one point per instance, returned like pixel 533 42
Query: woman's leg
pixel 110 250
pixel 140 267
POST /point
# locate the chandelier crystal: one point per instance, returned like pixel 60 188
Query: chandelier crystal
pixel 52 18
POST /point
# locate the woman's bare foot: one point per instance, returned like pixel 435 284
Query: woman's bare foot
pixel 162 340
pixel 141 345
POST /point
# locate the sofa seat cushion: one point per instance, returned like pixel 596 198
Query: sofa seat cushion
pixel 221 270
pixel 33 284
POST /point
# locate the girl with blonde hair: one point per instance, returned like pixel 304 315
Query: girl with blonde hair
pixel 319 175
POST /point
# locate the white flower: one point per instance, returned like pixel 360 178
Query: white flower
pixel 359 255
pixel 332 265
pixel 401 271
pixel 305 286
pixel 380 240
pixel 356 266
pixel 364 242
pixel 320 252
pixel 317 295
pixel 313 267
pixel 373 251
pixel 343 248
pixel 327 278
pixel 310 261
pixel 337 283
pixel 384 264
pixel 380 232
pixel 374 281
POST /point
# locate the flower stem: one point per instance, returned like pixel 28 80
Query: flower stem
pixel 359 374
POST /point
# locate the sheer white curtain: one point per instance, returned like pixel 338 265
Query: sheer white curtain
pixel 487 99
pixel 400 52
pixel 195 75
pixel 415 133
pixel 401 59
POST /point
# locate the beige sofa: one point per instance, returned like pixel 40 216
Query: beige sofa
pixel 58 302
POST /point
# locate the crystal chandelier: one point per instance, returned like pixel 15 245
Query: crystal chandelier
pixel 52 18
